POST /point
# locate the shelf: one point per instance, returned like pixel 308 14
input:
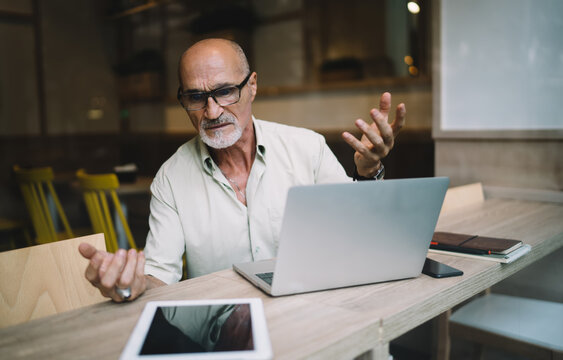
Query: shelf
pixel 138 9
pixel 387 83
pixel 13 16
pixel 345 85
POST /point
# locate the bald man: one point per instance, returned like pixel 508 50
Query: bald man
pixel 221 196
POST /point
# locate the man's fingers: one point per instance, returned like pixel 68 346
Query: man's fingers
pixel 140 271
pixel 385 103
pixel 92 272
pixel 385 130
pixel 354 142
pixel 114 270
pixel 105 264
pixel 86 250
pixel 139 283
pixel 128 274
pixel 400 117
pixel 106 271
pixel 115 296
pixel 371 152
pixel 375 143
pixel 378 138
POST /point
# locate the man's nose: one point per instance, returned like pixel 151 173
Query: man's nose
pixel 212 109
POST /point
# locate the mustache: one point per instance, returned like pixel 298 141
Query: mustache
pixel 222 119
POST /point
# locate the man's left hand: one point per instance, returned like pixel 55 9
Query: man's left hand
pixel 378 138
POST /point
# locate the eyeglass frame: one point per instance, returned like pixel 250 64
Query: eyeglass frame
pixel 211 94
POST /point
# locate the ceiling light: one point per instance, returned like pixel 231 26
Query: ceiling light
pixel 413 7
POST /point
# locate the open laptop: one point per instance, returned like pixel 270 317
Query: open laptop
pixel 338 235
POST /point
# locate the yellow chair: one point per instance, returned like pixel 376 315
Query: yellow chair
pixel 46 279
pixel 95 189
pixel 37 186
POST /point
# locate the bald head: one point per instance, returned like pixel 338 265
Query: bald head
pixel 214 54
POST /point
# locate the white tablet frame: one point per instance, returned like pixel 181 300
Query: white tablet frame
pixel 261 339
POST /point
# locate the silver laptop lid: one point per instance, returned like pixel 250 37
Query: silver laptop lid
pixel 338 235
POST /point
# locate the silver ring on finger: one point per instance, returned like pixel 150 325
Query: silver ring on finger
pixel 124 293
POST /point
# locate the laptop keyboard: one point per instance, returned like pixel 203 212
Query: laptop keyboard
pixel 267 277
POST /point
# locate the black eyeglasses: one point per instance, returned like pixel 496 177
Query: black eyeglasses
pixel 224 96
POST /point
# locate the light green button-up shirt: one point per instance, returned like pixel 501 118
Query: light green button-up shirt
pixel 195 209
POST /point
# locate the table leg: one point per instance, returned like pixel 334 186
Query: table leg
pixel 380 352
pixel 442 336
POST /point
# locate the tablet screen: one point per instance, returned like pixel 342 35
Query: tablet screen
pixel 199 328
pixel 218 329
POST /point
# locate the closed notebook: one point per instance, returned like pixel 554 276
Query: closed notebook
pixel 473 243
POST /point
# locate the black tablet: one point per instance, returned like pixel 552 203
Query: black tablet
pixel 200 329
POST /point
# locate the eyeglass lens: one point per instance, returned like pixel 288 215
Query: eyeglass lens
pixel 224 96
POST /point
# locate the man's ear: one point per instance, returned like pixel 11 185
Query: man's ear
pixel 253 85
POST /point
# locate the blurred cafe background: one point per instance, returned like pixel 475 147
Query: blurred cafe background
pixel 91 85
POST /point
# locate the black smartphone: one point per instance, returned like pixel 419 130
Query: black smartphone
pixel 438 270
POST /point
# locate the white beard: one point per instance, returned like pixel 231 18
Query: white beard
pixel 218 140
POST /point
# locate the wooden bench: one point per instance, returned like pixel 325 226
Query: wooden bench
pixel 528 327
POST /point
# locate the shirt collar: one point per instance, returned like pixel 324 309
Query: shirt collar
pixel 206 159
pixel 260 145
pixel 208 163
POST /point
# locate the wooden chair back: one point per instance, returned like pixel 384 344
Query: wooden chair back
pixel 96 189
pixel 45 279
pixel 37 188
pixel 462 196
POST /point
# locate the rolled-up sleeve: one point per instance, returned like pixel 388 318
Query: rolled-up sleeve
pixel 329 169
pixel 164 258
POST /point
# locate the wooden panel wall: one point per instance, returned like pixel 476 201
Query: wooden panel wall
pixel 536 164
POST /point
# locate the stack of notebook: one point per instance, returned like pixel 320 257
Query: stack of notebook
pixel 475 246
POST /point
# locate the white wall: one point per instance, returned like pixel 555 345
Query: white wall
pixel 482 133
pixel 501 64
